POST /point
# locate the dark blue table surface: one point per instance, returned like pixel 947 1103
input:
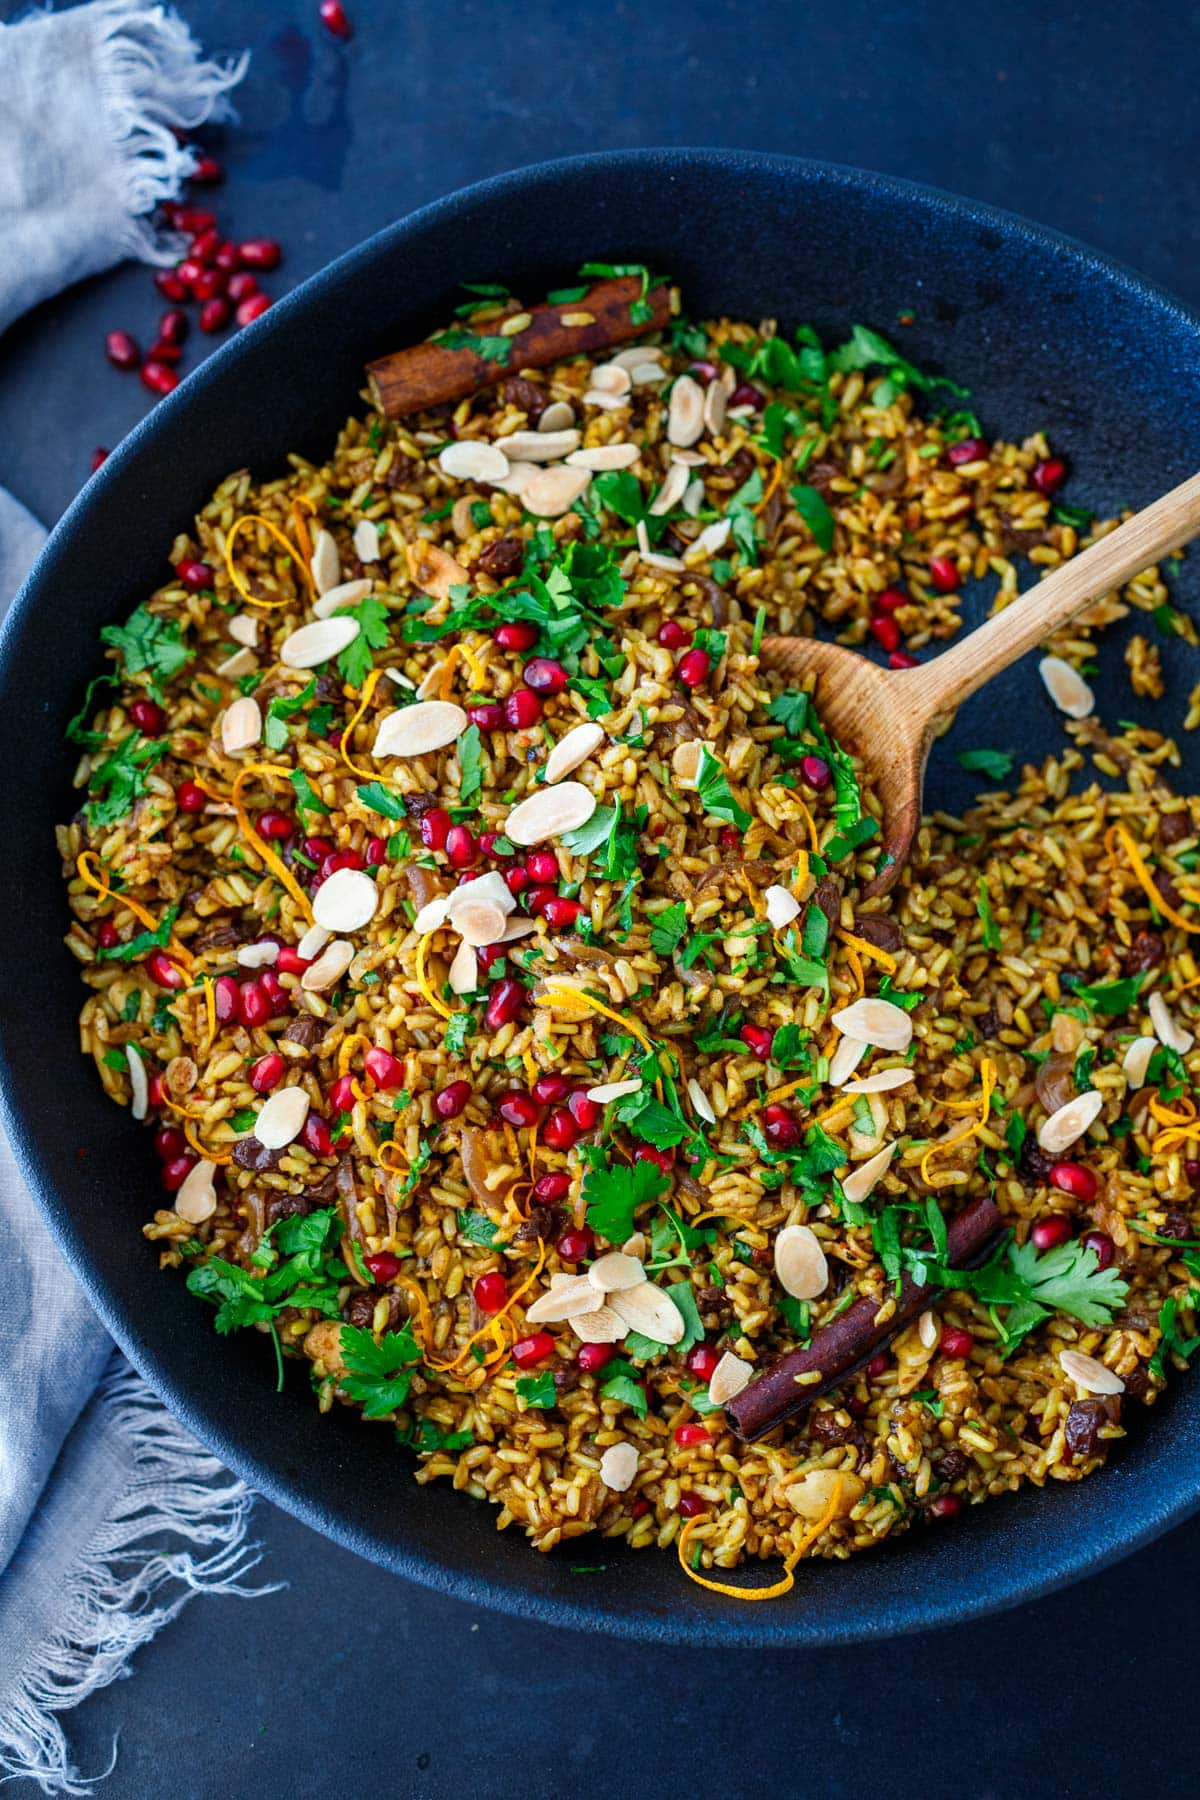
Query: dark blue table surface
pixel 1080 115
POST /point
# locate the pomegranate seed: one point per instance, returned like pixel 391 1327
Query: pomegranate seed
pixel 522 709
pixel 969 451
pixel 488 717
pixel 694 667
pixel 704 371
pixel 487 845
pixel 176 1172
pixel 672 635
pixel 339 859
pixel 207 172
pixel 1075 1179
pixel 517 634
pixel 1191 1168
pixel 148 716
pixel 461 848
pixel 385 1070
pixel 516 879
pixel 691 1505
pixel 780 1126
pixel 544 675
pixel 259 253
pixel 518 1108
pixel 254 1005
pixel 121 350
pixel 433 827
pixel 548 1090
pixel 585 1112
pixel 1048 1233
pixel 491 1291
pixel 267 1072
pixel 195 575
pixel 159 377
pixel 945 1506
pixel 241 286
pixel 856 1406
pixel 662 1159
pixel 317 849
pixel 276 993
pixel 885 631
pixel 891 600
pixel 560 1131
pixel 757 1040
pixel 488 954
pixel 189 271
pixel 189 798
pixel 173 326
pixel 943 574
pixel 229 258
pixel 333 18
pixel 225 998
pixel 507 998
pixel 728 838
pixel 375 854
pixel 542 865
pixel 210 284
pixel 1103 1247
pixel 205 245
pixel 251 309
pixel 575 1245
pixel 275 825
pixel 539 899
pixel 194 219
pixel 169 1142
pixel 315 1136
pixel 900 659
pixel 955 1342
pixel 449 1101
pixel 879 1365
pixel 155 1091
pixel 170 286
pixel 745 394
pixel 164 353
pixel 701 1361
pixel 341 1094
pixel 552 1187
pixel 290 962
pixel 163 970
pixel 384 1265
pixel 99 455
pixel 815 771
pixel 692 1434
pixel 528 1352
pixel 594 1356
pixel 1048 476
pixel 107 934
pixel 639 1507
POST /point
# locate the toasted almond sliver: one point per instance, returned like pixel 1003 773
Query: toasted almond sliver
pixel 610 378
pixel 419 729
pixel 1136 1061
pixel 432 915
pixel 613 1090
pixel 1088 1373
pixel 813 1493
pixel 491 887
pixel 346 901
pixel 549 813
pixel 685 413
pixel 880 1081
pixel 479 922
pixel 575 748
pixel 329 967
pixel 701 1101
pixel 651 1311
pixel 314 644
pixel 927 1330
pixel 139 1086
pixel 241 726
pixel 366 541
pixel 603 1326
pixel 876 1022
pixel 1174 1036
pixel 463 974
pixel 558 416
pixel 281 1117
pixel 312 943
pixel 672 490
pixel 693 500
pixel 800 1264
pixel 845 1060
pixel 434 570
pixel 782 906
pixel 470 459
pixel 865 1176
pixel 537 447
pixel 616 1271
pixel 604 456
pixel 258 956
pixel 346 593
pixel 517 928
pixel 549 493
pixel 714 537
pixel 729 1377
pixel 430 684
pixel 197 1197
pixel 242 662
pixel 636 355
pixel 566 1300
pixel 1066 687
pixel 1066 1126
pixel 685 761
pixel 243 629
pixel 326 564
pixel 618 1467
pixel 716 401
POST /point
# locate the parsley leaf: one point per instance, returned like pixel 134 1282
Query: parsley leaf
pixel 306 796
pixel 275 731
pixel 355 661
pixel 983 905
pixel 741 516
pixel 378 1375
pixel 470 761
pixel 1111 996
pixel 813 509
pixel 121 779
pixel 622 1383
pixel 613 1196
pixel 669 928
pixel 149 642
pixel 477 1228
pixel 537 1390
pixel 716 795
pixel 144 942
pixel 382 800
pixel 866 349
pixel 76 733
pixel 995 765
pixel 1172 1342
pixel 491 347
pixel 458 1029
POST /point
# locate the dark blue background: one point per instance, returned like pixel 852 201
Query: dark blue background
pixel 1081 116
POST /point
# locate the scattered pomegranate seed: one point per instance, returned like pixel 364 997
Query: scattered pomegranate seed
pixel 504 1003
pixel 879 1365
pixel 148 716
pixel 593 1357
pixel 107 934
pixel 316 1135
pixel 1047 1233
pixel 260 253
pixel 176 1172
pixel 461 848
pixel 522 709
pixel 552 1187
pixel 780 1126
pixel 662 1159
pixel 375 854
pixel 885 631
pixel 955 1342
pixel 341 1094
pixel 1048 476
pixel 164 353
pixel 339 859
pixel 290 962
pixel 159 377
pixel 891 600
pixel 207 172
pixel 945 1506
pixel 194 575
pixel 275 825
pixel 169 1142
pixel 815 771
pixel 585 1112
pixel 704 371
pixel 639 1508
pixel 943 574
pixel 701 1361
pixel 969 451
pixel 99 455
pixel 433 827
pixel 173 326
pixel 745 394
pixel 251 309
pixel 267 1072
pixel 189 798
pixel 548 1090
pixel 210 284
pixel 516 1108
pixel 560 1131
pixel 386 1071
pixel 728 838
pixel 691 1505
pixel 229 258
pixel 489 716
pixel 544 675
pixel 194 218
pixel 757 1040
pixel 528 1352
pixel 1075 1179
pixel 694 668
pixel 487 845
pixel 225 998
pixel 491 1291
pixel 189 272
pixel 692 1434
pixel 672 635
pixel 205 245
pixel 254 1005
pixel 162 970
pixel 241 286
pixel 155 1090
pixel 170 285
pixel 542 866
pixel 900 659
pixel 384 1265
pixel 516 878
pixel 575 1245
pixel 449 1101
pixel 121 350
pixel 516 634
pixel 1102 1246
pixel 561 912
pixel 489 954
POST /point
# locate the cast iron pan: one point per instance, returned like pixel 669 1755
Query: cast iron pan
pixel 1044 332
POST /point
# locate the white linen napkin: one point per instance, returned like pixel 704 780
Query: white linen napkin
pixel 111 1515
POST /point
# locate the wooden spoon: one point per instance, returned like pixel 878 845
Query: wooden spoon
pixel 890 717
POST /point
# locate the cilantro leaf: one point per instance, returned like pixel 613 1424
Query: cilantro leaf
pixel 716 795
pixel 76 733
pixel 613 1197
pixel 741 515
pixel 621 1383
pixel 149 642
pixel 458 1029
pixel 866 349
pixel 620 491
pixel 995 765
pixel 669 928
pixel 470 761
pixel 983 904
pixel 491 347
pixel 814 510
pixel 538 1390
pixel 1111 996
pixel 144 942
pixel 1173 1343
pixel 477 1228
pixel 378 1375
pixel 355 661
pixel 382 800
pixel 121 779
pixel 306 796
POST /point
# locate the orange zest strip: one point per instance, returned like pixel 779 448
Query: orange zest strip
pixel 856 969
pixel 423 982
pixel 987 1083
pixel 871 951
pixel 801 871
pixel 424 1317
pixel 300 523
pixel 714 1212
pixel 776 475
pixel 457 653
pixel 810 826
pixel 568 998
pixel 203 1150
pixel 281 873
pixel 777 1588
pixel 1146 880
pixel 1175 1138
pixel 495 1319
pixel 182 1110
pixel 1164 1114
pixel 285 543
pixel 101 887
pixel 368 688
pixel 210 1007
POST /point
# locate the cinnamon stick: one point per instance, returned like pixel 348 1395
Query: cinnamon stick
pixel 429 374
pixel 843 1345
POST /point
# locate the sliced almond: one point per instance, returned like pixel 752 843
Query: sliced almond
pixel 241 725
pixel 1136 1061
pixel 605 456
pixel 491 886
pixel 635 354
pixel 815 1492
pixel 610 378
pixel 312 645
pixel 419 729
pixel 540 446
pixel 568 1300
pixel 480 922
pixel 400 679
pixel 517 928
pixel 1066 687
pixel 312 943
pixel 714 537
pixel 1174 1036
pixel 281 1117
pixel 701 1101
pixel 346 593
pixel 549 493
pixel 845 1060
pixel 1066 1126
pixel 463 974
pixel 672 490
pixel 865 1176
pixel 643 373
pixel 716 402
pixel 880 1081
pixel 197 1197
pixel 470 459
pixel 876 1022
pixel 242 662
pixel 431 915
pixel 927 1330
pixel 558 416
pixel 243 629
pixel 549 813
pixel 618 1467
pixel 729 1377
pixel 329 967
pixel 347 901
pixel 693 500
pixel 603 1326
pixel 434 570
pixel 366 541
pixel 326 564
pixel 613 1273
pixel 651 1311
pixel 685 412
pixel 1089 1373
pixel 685 761
pixel 258 956
pixel 574 748
pixel 139 1086
pixel 651 557
pixel 800 1265
pixel 782 906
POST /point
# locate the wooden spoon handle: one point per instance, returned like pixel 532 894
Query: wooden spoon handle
pixel 941 685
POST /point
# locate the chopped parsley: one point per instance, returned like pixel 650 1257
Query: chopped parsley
pixel 613 1197
pixel 355 662
pixel 120 779
pixel 994 765
pixel 149 642
pixel 378 1375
